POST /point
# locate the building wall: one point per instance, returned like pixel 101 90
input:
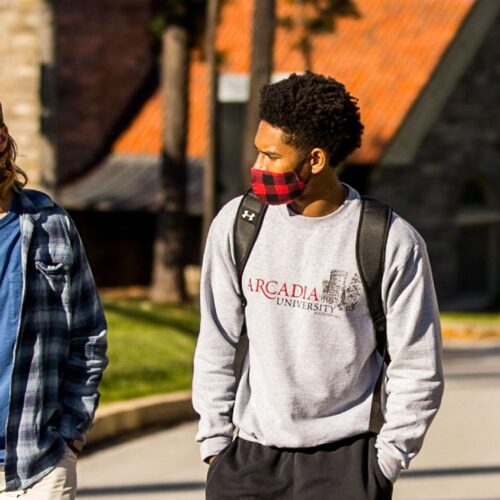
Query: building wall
pixel 121 257
pixel 19 78
pixel 104 54
pixel 462 146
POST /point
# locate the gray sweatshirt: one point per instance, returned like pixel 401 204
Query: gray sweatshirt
pixel 312 364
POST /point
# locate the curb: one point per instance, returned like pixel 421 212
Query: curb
pixel 467 331
pixel 115 419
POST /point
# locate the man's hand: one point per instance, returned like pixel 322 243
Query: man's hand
pixel 211 459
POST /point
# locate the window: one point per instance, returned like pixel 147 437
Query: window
pixel 476 246
pixel 231 118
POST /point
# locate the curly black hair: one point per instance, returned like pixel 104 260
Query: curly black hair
pixel 313 111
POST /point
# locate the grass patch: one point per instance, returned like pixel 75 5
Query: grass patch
pixel 471 326
pixel 471 317
pixel 150 350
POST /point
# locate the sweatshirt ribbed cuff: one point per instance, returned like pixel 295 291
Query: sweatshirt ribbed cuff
pixel 213 446
pixel 389 465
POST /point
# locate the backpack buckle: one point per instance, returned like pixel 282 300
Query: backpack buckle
pixel 380 324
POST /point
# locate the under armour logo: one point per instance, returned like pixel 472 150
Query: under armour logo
pixel 250 216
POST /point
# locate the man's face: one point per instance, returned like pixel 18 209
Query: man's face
pixel 273 154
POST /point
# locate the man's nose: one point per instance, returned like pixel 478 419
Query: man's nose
pixel 259 163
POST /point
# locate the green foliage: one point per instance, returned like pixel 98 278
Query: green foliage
pixel 286 22
pixel 151 348
pixel 323 19
pixel 187 13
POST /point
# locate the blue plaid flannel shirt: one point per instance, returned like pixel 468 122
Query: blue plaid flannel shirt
pixel 60 351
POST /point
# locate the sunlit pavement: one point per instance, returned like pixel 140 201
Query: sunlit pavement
pixel 161 465
pixel 460 459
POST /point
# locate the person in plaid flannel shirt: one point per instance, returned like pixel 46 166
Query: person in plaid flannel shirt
pixel 53 349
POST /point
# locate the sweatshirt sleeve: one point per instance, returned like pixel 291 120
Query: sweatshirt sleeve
pixel 414 378
pixel 221 322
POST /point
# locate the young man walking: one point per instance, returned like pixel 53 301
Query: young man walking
pixel 303 406
pixel 53 348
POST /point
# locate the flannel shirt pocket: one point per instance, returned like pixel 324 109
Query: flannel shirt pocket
pixel 55 275
pixel 50 269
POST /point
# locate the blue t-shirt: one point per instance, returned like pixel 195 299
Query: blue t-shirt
pixel 10 302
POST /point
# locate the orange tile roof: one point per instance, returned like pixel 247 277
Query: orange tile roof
pixel 384 58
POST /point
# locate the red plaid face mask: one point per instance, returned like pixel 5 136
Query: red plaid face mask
pixel 277 188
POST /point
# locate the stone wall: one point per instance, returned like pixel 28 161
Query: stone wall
pixel 19 79
pixel 462 146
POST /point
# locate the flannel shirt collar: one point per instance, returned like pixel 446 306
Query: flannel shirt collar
pixel 32 201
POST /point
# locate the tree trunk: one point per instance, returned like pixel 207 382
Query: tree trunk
pixel 210 169
pixel 168 283
pixel 264 21
pixel 304 43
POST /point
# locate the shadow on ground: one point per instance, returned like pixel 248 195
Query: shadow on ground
pixel 451 471
pixel 140 488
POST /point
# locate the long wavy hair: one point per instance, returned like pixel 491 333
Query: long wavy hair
pixel 11 176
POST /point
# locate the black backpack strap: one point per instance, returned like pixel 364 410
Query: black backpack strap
pixel 247 225
pixel 371 240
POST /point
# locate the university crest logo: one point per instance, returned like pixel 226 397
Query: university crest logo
pixel 339 293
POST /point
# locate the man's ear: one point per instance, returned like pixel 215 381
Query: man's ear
pixel 319 160
pixel 4 138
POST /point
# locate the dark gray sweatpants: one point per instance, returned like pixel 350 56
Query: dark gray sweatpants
pixel 344 470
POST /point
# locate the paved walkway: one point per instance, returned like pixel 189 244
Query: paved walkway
pixel 460 459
